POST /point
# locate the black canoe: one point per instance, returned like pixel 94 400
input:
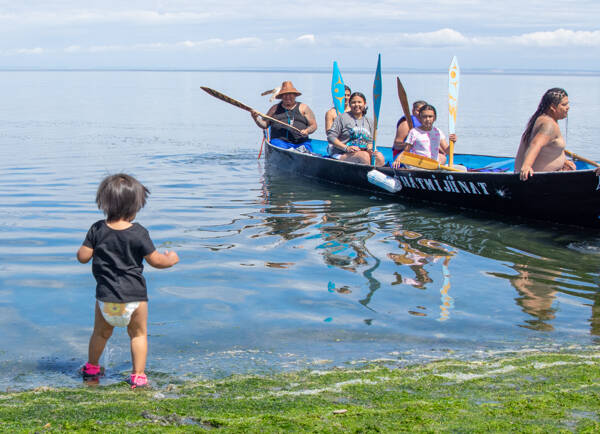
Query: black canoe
pixel 489 185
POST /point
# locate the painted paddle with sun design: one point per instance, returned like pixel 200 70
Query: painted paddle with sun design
pixel 338 90
pixel 453 86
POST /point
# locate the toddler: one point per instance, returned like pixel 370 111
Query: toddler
pixel 118 247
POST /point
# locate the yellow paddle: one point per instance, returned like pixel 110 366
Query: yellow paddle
pixel 579 157
pixel 422 162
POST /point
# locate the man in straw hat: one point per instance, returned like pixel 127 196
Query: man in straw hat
pixel 292 112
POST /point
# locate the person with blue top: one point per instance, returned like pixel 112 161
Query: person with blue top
pixel 402 127
pixel 293 113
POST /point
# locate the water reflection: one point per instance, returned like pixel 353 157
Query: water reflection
pixel 417 253
pixel 537 297
pixel 395 247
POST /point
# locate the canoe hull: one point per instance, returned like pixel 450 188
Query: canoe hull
pixel 571 198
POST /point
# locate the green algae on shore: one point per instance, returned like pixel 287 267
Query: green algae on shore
pixel 540 392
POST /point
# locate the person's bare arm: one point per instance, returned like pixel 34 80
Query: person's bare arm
pixel 84 254
pixel 330 116
pixel 444 148
pixel 310 116
pixel 162 260
pixel 542 135
pixel 263 123
pixel 401 133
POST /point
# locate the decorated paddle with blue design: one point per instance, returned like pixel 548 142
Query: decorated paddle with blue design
pixel 338 91
pixel 453 85
pixel 376 104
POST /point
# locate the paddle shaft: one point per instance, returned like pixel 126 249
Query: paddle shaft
pixel 423 162
pixel 243 106
pixel 579 157
pixel 404 103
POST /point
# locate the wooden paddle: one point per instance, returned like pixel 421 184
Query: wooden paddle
pixel 404 103
pixel 243 106
pixel 410 159
pixel 580 158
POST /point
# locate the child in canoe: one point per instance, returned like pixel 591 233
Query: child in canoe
pixel 426 140
pixel 118 247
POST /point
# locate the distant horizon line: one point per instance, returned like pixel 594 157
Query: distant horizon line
pixel 318 70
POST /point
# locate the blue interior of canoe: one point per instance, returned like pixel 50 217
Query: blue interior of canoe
pixel 479 163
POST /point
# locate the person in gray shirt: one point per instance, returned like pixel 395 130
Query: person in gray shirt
pixel 351 135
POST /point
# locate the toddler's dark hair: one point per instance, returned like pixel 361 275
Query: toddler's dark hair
pixel 121 196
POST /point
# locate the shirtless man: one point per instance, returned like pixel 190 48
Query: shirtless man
pixel 542 147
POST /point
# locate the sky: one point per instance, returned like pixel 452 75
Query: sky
pixel 185 34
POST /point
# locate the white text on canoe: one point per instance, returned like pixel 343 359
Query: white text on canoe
pixel 448 185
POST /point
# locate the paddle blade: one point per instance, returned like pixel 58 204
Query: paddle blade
pixel 404 103
pixel 377 92
pixel 410 159
pixel 415 160
pixel 376 104
pixel 453 86
pixel 338 91
pixel 225 98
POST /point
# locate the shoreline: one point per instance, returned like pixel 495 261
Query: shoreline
pixel 539 391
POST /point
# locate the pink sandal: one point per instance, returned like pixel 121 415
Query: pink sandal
pixel 89 371
pixel 138 380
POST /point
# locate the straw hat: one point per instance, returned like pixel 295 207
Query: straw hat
pixel 287 87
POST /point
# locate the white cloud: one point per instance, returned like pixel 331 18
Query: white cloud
pixel 73 49
pixel 559 38
pixel 212 43
pixel 162 31
pixel 87 17
pixel 518 14
pixel 306 38
pixel 23 51
pixel 245 42
pixel 438 39
pixel 452 38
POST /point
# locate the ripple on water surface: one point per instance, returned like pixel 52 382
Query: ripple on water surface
pixel 276 272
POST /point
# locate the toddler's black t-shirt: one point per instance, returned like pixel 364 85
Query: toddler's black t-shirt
pixel 118 261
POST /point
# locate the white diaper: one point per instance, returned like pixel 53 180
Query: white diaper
pixel 118 314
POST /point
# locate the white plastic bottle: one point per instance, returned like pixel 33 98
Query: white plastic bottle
pixel 388 183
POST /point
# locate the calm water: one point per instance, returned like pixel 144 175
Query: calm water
pixel 275 272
